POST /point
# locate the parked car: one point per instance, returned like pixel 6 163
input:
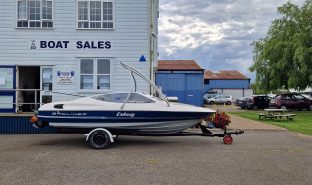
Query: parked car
pixel 209 96
pixel 291 101
pixel 241 102
pixel 220 99
pixel 257 102
pixel 272 96
pixel 307 94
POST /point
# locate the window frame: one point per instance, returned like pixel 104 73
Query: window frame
pixel 95 74
pixel 28 19
pixel 89 15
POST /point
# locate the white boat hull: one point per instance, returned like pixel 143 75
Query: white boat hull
pixel 164 127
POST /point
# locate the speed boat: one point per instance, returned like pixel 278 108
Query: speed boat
pixel 130 112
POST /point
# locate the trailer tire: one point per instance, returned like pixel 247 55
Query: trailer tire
pixel 99 139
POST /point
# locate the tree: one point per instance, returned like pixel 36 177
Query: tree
pixel 283 59
pixel 257 90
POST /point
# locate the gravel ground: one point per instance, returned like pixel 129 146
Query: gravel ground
pixel 256 157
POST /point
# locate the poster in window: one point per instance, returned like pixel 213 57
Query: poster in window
pixel 65 77
pixel 2 81
pixel 6 78
pixel 6 102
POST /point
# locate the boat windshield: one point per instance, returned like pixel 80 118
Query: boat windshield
pixel 121 97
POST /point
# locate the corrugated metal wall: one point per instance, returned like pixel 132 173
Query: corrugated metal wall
pixel 20 125
pixel 235 93
pixel 227 84
pixel 186 85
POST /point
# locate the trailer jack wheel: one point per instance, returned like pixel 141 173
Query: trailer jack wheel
pixel 227 139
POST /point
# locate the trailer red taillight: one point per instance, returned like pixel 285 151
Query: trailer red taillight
pixel 34 119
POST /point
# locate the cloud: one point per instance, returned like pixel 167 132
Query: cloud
pixel 187 32
pixel 216 33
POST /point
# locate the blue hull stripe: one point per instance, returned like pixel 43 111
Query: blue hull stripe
pixel 118 116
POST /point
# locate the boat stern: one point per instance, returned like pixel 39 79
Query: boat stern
pixel 37 123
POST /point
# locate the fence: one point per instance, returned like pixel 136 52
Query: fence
pixel 22 98
pixel 17 124
pixel 30 98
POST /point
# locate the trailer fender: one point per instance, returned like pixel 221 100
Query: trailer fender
pixel 111 136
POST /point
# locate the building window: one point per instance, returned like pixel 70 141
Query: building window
pixel 34 14
pixel 95 74
pixel 206 81
pixel 95 14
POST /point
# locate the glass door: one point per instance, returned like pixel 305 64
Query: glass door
pixel 46 84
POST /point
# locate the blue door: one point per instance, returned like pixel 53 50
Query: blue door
pixel 188 87
pixel 7 88
pixel 194 89
pixel 172 85
pixel 176 86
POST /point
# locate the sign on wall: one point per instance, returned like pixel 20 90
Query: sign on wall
pixel 65 77
pixel 63 44
pixel 142 59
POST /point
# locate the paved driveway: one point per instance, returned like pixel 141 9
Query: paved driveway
pixel 256 157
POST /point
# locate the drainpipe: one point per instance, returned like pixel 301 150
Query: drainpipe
pixel 150 43
pixel 152 35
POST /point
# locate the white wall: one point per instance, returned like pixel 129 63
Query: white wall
pixel 235 93
pixel 130 39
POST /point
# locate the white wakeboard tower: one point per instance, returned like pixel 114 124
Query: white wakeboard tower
pixel 133 88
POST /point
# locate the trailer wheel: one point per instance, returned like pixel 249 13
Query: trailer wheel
pixel 99 139
pixel 227 139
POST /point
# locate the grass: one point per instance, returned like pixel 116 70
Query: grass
pixel 302 123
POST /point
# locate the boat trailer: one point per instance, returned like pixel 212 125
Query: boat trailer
pixel 101 138
pixel 226 134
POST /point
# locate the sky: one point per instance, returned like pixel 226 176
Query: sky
pixel 215 33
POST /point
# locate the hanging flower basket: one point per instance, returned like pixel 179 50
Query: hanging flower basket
pixel 220 120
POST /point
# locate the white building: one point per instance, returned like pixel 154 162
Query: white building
pixel 73 47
